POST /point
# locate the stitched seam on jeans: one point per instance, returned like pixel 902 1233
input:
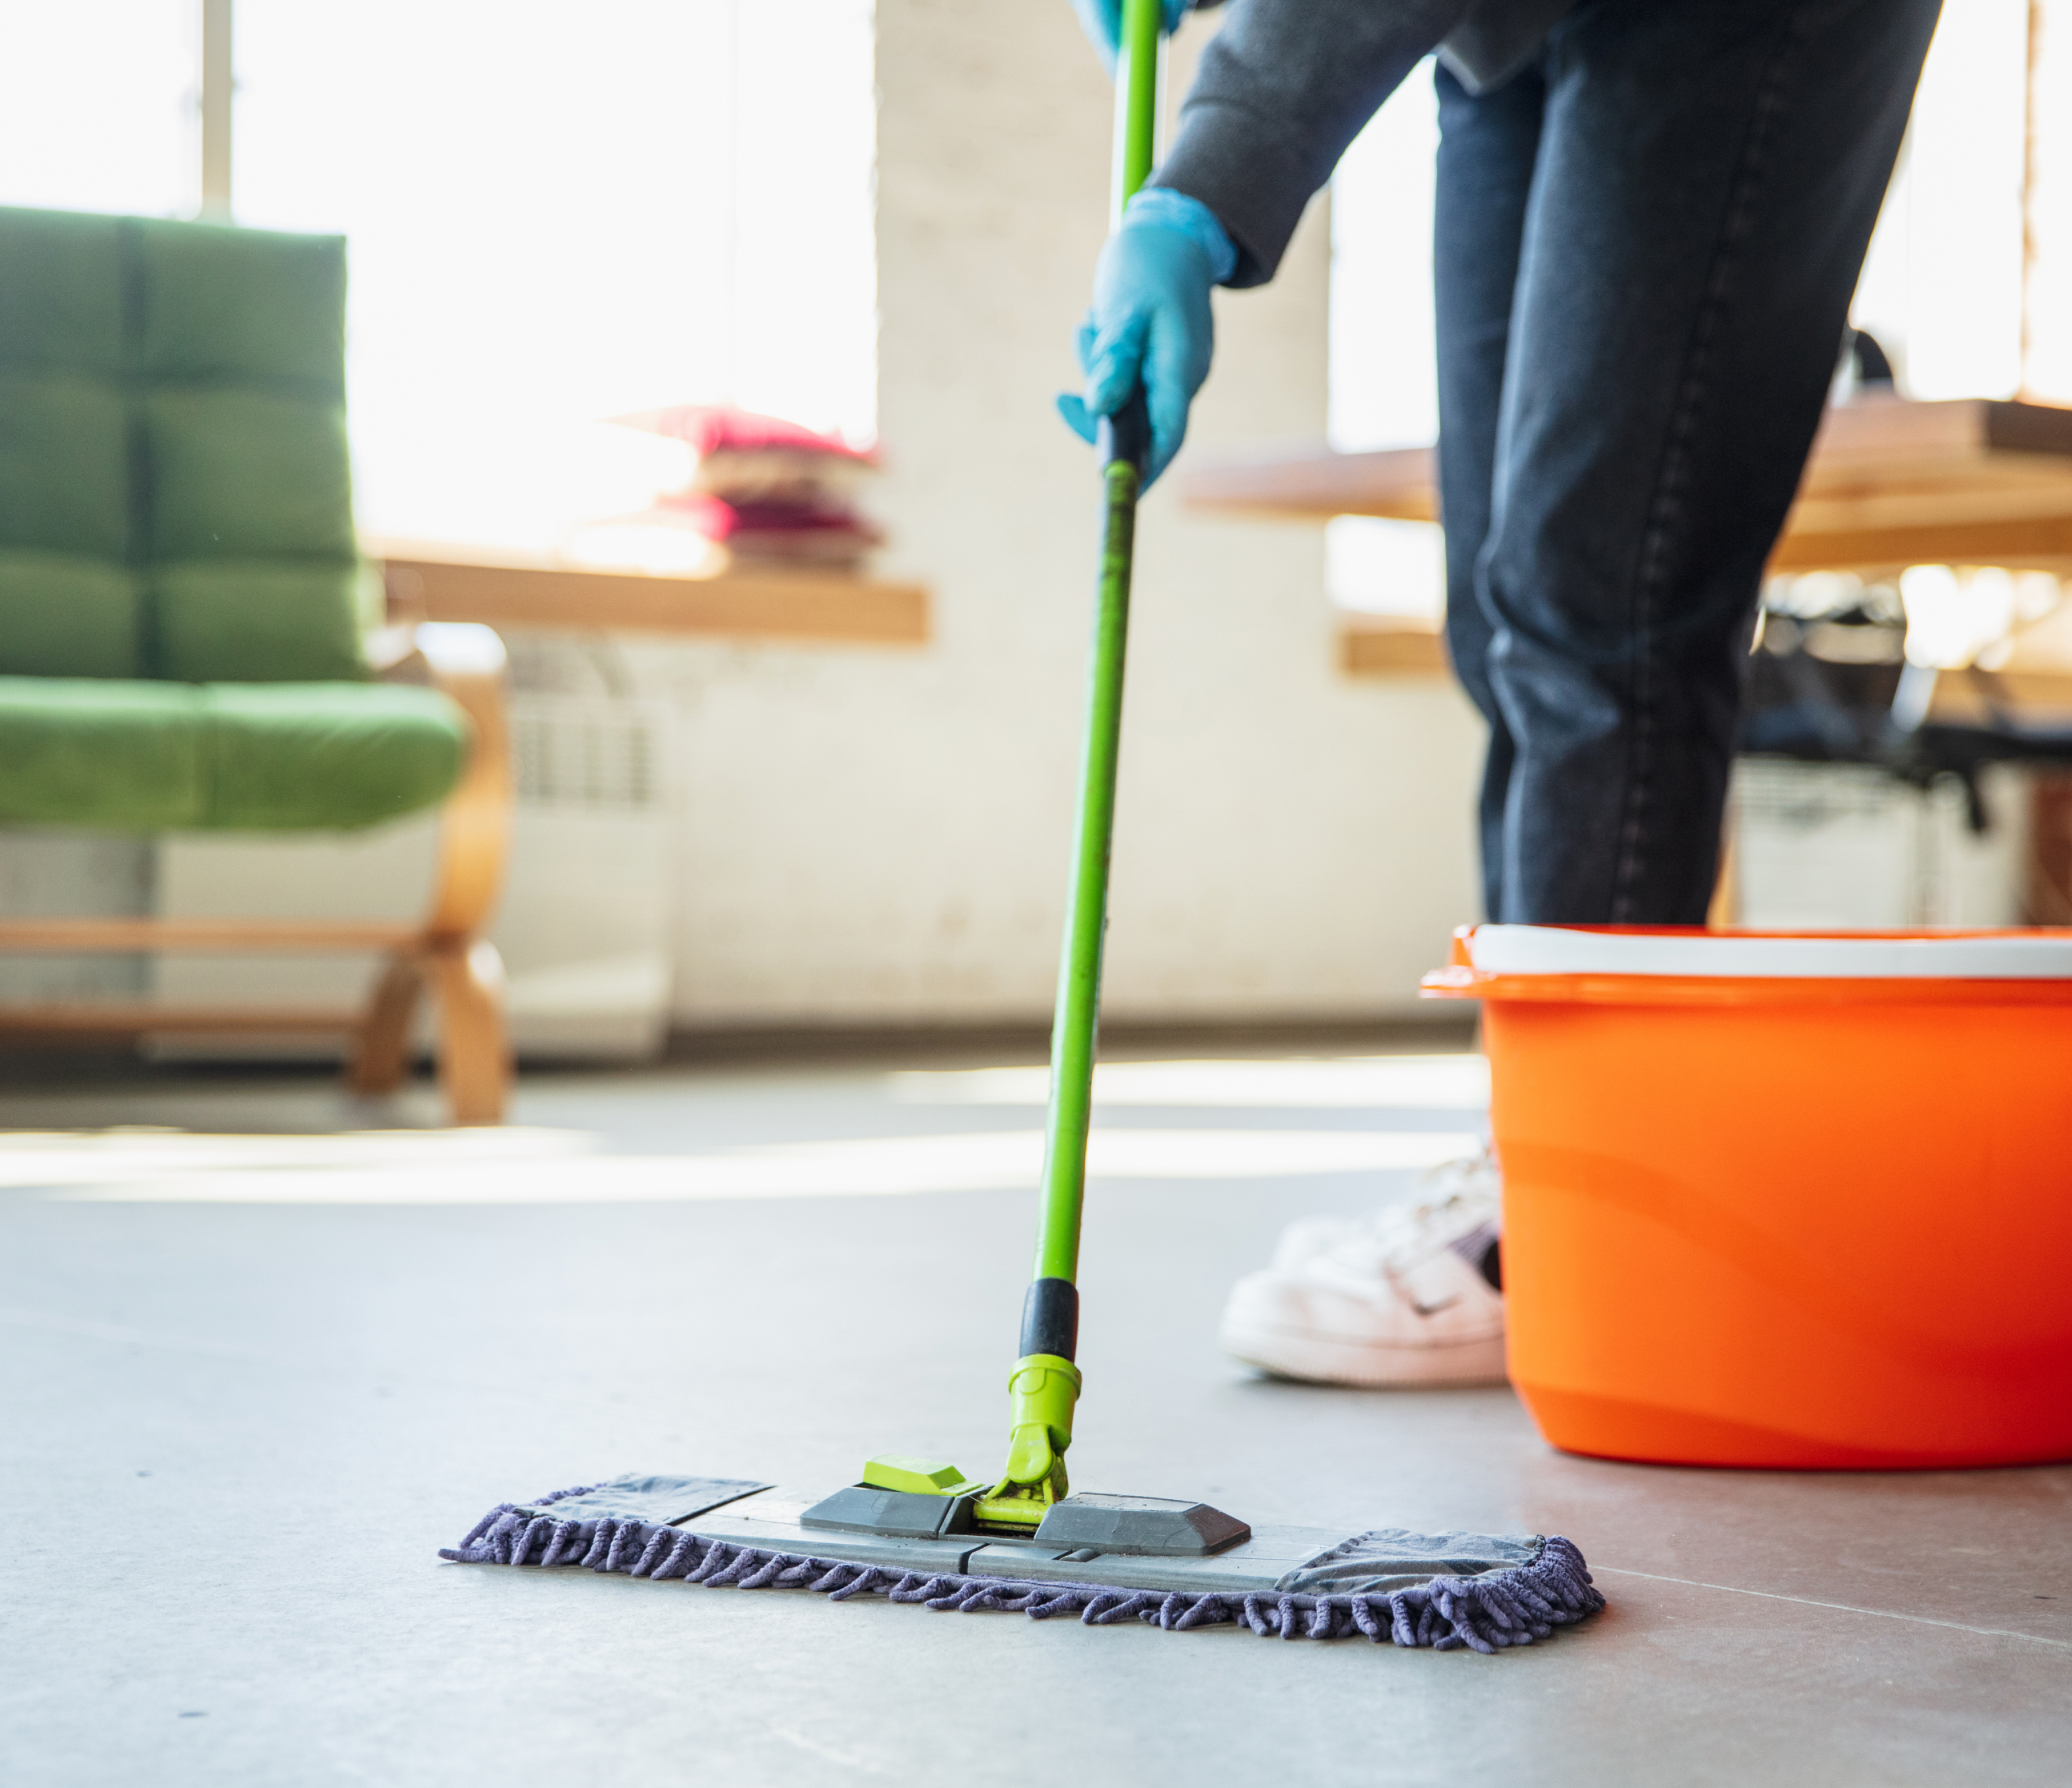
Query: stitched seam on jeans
pixel 1666 509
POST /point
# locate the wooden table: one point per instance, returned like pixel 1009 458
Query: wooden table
pixel 1889 483
pixel 457 583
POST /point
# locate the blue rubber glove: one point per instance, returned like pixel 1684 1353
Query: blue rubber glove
pixel 1102 22
pixel 1150 323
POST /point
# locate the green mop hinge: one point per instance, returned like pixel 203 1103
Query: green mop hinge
pixel 1042 1391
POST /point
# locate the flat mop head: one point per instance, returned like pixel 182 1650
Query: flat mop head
pixel 1175 1565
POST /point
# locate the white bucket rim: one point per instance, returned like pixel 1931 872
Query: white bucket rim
pixel 1558 950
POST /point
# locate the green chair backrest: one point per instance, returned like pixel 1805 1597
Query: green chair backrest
pixel 175 498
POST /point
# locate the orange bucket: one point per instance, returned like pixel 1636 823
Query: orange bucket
pixel 1784 1199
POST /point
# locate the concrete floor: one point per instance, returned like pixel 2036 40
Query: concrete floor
pixel 255 1377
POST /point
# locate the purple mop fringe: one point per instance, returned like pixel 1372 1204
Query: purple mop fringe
pixel 1483 1613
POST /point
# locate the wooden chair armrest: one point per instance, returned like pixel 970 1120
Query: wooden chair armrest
pixel 467 663
pixel 392 653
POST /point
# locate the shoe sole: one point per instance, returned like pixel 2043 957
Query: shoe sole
pixel 1371 1365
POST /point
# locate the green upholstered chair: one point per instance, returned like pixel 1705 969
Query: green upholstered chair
pixel 188 637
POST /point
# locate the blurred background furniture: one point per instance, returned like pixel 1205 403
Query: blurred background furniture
pixel 439 581
pixel 1869 786
pixel 1890 483
pixel 190 641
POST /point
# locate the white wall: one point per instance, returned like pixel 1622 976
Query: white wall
pixel 870 836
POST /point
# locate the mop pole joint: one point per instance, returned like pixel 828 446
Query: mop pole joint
pixel 1042 1390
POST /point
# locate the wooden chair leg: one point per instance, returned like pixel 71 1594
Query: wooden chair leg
pixel 381 1055
pixel 475 1050
pixel 1723 914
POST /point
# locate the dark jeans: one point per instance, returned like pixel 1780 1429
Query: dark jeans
pixel 1646 248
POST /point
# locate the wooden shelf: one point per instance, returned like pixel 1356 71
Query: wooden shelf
pixel 1376 647
pixel 1316 484
pixel 457 585
pixel 233 936
pixel 1889 483
pixel 142 1018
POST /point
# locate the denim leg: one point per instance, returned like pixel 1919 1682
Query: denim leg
pixel 1706 179
pixel 1486 148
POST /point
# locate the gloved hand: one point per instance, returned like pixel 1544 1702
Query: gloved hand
pixel 1102 22
pixel 1150 323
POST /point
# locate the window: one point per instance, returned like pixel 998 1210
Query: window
pixel 97 106
pixel 1383 378
pixel 556 214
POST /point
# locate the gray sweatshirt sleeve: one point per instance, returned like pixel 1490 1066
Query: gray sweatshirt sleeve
pixel 1284 88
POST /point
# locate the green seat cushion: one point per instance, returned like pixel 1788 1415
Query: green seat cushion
pixel 84 751
pixel 140 756
pixel 290 755
pixel 176 503
pixel 240 474
pixel 258 621
pixel 64 615
pixel 222 304
pixel 61 289
pixel 64 464
pixel 172 404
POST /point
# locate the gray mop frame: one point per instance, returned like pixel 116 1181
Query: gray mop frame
pixel 1486 1612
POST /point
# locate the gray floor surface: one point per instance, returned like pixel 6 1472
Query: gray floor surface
pixel 250 1393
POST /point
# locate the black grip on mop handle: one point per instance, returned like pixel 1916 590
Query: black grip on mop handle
pixel 1126 435
pixel 1051 1319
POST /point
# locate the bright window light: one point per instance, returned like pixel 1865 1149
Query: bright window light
pixel 97 106
pixel 1384 389
pixel 1383 381
pixel 558 215
pixel 1941 287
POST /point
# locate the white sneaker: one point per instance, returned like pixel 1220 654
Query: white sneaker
pixel 1412 1295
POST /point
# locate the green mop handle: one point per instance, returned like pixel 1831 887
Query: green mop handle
pixel 1046 1383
